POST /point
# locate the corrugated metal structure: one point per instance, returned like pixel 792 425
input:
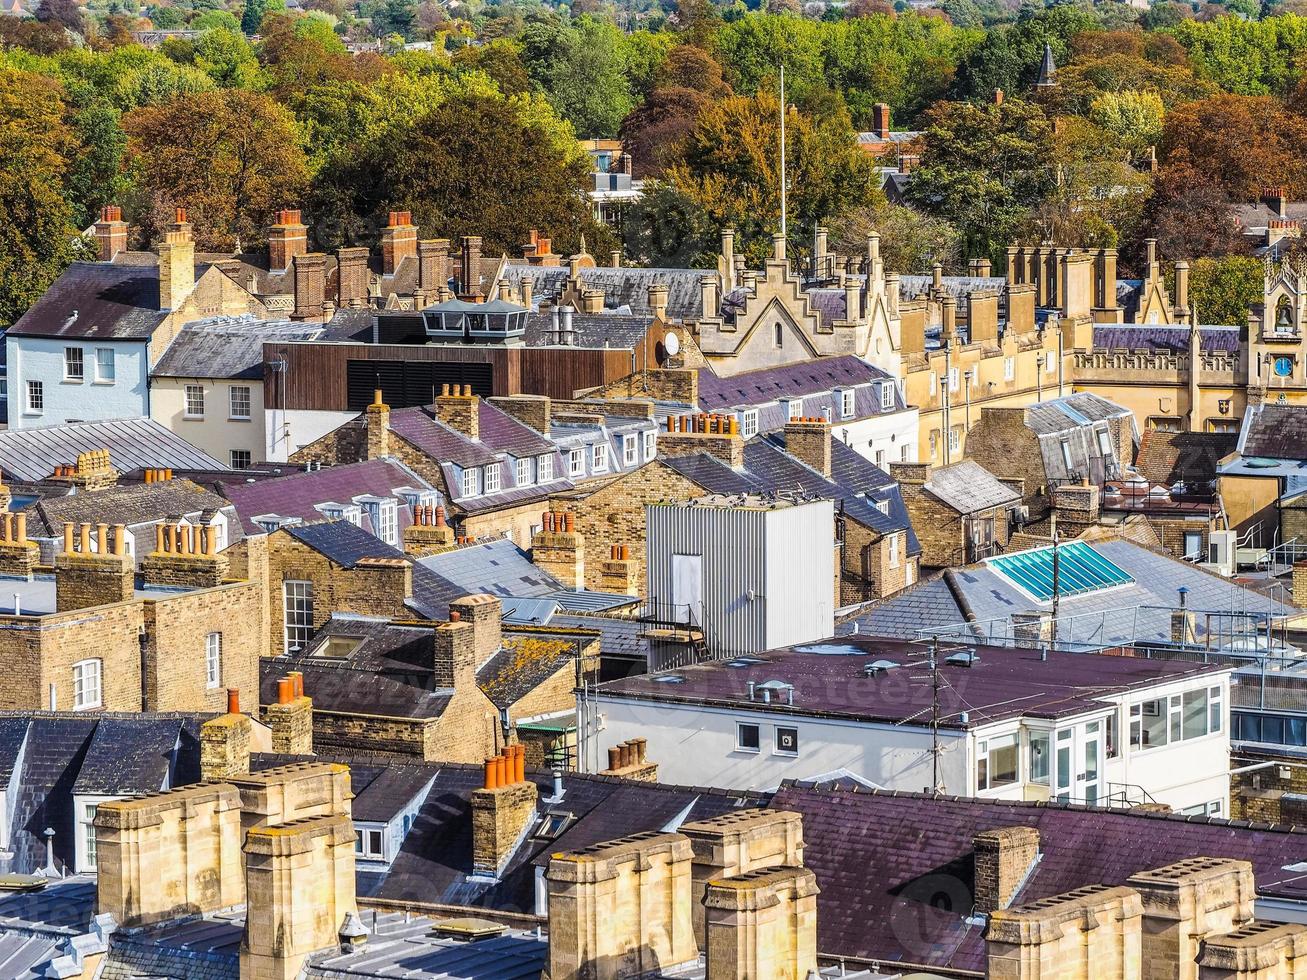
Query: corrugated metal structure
pixel 752 573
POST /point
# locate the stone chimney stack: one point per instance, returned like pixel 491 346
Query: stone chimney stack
pixel 1182 289
pixel 310 285
pixel 503 811
pixel 93 568
pixel 169 854
pixel 658 299
pixel 948 319
pixel 19 556
pixel 558 549
pixel 620 574
pixel 110 233
pixel 1092 932
pixel 736 843
pixel 377 419
pixel 225 742
pixel 621 909
pixel 709 297
pixel 470 275
pixel 433 265
pixel 288 238
pixel 454 653
pixel 184 556
pixel 1261 949
pixel 176 263
pixel 1004 859
pixel 290 717
pixel 717 435
pixel 299 887
pixel 352 278
pixel 459 409
pixel 399 241
pixel 881 120
pixel 429 534
pixel 762 924
pixel 808 440
pixel 484 614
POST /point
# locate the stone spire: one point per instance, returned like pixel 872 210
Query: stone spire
pixel 1047 69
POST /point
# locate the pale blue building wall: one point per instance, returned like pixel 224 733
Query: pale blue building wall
pixel 42 359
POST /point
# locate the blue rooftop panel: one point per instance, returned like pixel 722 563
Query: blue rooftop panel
pixel 1080 570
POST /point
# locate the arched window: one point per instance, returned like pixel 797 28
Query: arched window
pixel 1284 315
pixel 780 335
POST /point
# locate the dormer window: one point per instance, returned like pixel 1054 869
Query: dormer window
pixel 794 409
pixel 544 468
pixel 525 473
pixel 887 394
pixel 492 478
pixel 847 400
pixel 342 512
pixel 471 482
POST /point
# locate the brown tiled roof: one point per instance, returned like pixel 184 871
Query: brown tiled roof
pixel 524 663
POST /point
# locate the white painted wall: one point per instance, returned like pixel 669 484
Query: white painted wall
pixel 89 400
pixel 287 432
pixel 217 432
pixel 889 435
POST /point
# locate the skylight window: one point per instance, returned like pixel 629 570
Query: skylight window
pixel 879 667
pixel 1080 570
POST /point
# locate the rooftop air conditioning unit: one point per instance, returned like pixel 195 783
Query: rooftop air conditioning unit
pixel 1221 546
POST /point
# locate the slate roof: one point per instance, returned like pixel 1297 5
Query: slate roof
pixel 524 663
pixel 617 636
pixel 96 301
pixel 496 567
pixel 382 792
pixel 1160 337
pixel 957 286
pixel 298 494
pixel 435 861
pixel 128 503
pixel 820 376
pixel 1074 411
pixel 856 484
pixel 228 347
pixel 1275 432
pixel 881 858
pixel 626 286
pixel 1190 457
pixel 828 680
pixel 30 455
pixel 604 330
pixel 968 487
pixel 131 755
pixel 928 603
pixel 1140 610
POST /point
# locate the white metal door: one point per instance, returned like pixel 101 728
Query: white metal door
pixel 687 589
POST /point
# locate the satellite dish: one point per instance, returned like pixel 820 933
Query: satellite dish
pixel 672 344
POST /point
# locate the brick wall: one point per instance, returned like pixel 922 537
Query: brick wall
pixel 615 514
pixel 1001 443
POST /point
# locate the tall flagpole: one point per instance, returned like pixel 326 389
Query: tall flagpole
pixel 783 181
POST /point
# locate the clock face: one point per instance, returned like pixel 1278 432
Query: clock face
pixel 1283 366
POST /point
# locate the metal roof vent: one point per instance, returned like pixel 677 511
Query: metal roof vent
pixel 669 679
pixel 879 667
pixel 469 929
pixel 963 658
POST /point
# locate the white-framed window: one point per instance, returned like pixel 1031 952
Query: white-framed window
pixel 749 422
pixel 525 472
pixel 887 394
pixel 576 462
pixel 545 468
pixel 241 459
pixel 240 402
pixel 787 740
pixel 952 379
pixel 880 458
pixel 1050 362
pixel 1105 443
pixel 997 761
pixel 1066 455
pixel 794 409
pixel 492 478
pixel 471 481
pixel 297 601
pixel 213 660
pixel 385 520
pixel 905 453
pixel 846 403
pixel 74 364
pixel 1178 718
pixel 955 439
pixel 629 451
pixel 88 834
pixel 87 677
pixel 194 401
pixel 1040 757
pixel 36 397
pixel 105 372
pixel 1009 368
pixel 369 843
pixel 650 444
pixel 934 443
pixel 748 738
pixel 599 457
pixel 893 551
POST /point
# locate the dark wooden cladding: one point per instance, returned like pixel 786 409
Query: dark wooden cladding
pixel 316 375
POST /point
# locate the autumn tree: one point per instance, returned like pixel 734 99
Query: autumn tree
pixel 1134 118
pixel 910 240
pixel 1237 145
pixel 230 157
pixel 1223 290
pixel 474 165
pixel 37 233
pixel 1189 219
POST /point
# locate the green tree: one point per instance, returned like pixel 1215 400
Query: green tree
pixel 582 70
pixel 252 16
pixel 37 233
pixel 1248 57
pixel 910 240
pixel 670 229
pixel 227 58
pixel 94 176
pixel 1133 117
pixel 473 165
pixel 230 157
pixel 1223 290
pixel 730 168
pixel 983 168
pixel 1009 57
